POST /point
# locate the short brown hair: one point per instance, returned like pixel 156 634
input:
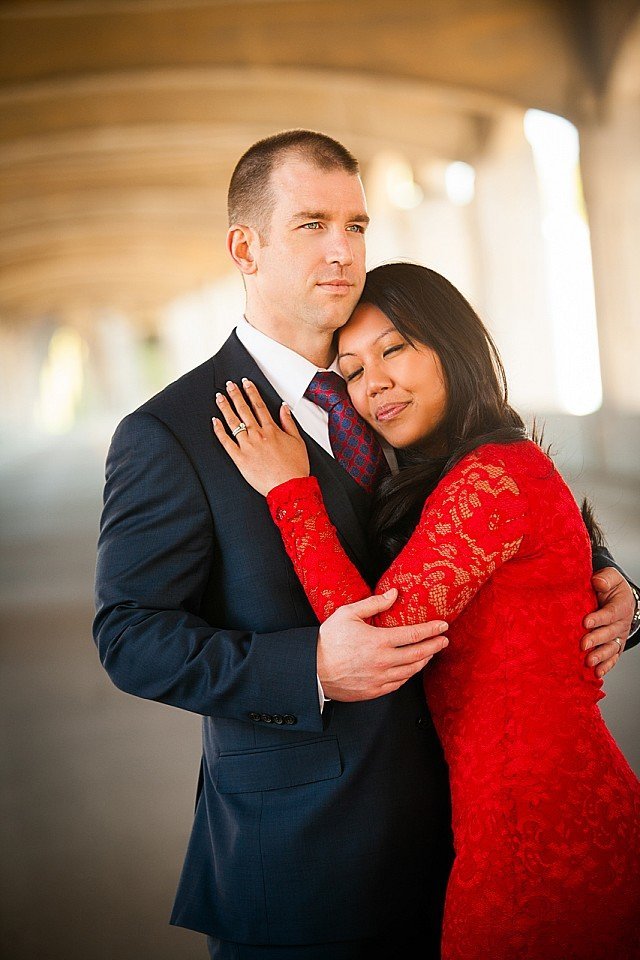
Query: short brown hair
pixel 250 199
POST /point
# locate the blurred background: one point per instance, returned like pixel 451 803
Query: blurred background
pixel 500 144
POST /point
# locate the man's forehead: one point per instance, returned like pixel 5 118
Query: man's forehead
pixel 299 183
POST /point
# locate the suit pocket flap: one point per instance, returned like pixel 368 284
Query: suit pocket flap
pixel 277 767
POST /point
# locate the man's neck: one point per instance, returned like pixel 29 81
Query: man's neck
pixel 317 347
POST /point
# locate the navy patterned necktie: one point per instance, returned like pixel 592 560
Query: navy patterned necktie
pixel 354 444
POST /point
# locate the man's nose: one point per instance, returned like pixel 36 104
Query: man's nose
pixel 340 248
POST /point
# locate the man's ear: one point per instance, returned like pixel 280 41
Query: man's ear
pixel 243 243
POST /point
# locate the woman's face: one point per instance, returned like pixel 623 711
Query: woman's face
pixel 397 388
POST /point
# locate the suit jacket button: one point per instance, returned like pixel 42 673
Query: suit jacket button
pixel 289 719
pixel 422 722
pixel 266 718
pixel 254 716
pixel 277 718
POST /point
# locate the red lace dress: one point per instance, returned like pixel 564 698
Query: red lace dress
pixel 546 810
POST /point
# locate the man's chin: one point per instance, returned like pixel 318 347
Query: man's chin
pixel 332 319
pixel 340 313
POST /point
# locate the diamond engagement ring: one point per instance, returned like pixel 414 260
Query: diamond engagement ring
pixel 241 426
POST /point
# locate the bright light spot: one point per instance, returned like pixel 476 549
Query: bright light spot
pixel 402 190
pixel 460 183
pixel 555 146
pixel 552 137
pixel 61 381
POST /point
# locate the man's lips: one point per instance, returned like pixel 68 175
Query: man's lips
pixel 389 411
pixel 335 286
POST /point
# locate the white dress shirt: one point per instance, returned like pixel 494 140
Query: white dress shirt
pixel 290 375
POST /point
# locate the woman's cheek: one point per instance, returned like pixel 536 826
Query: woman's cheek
pixel 358 399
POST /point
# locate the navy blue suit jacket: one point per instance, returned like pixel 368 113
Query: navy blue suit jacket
pixel 308 827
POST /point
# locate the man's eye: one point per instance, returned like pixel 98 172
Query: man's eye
pixel 351 376
pixel 314 225
pixel 356 228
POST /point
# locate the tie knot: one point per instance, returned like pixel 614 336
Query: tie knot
pixel 327 389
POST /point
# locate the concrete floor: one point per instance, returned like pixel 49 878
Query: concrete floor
pixel 98 787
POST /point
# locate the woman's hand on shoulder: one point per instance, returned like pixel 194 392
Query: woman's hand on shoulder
pixel 265 453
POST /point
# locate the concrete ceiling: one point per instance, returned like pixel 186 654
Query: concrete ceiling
pixel 121 121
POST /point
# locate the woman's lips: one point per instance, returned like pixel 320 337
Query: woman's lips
pixel 390 410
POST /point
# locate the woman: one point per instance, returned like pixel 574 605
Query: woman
pixel 476 527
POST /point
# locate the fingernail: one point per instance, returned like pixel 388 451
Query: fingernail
pixel 389 593
pixel 248 382
pixel 445 642
pixel 230 385
pixel 588 645
pixel 214 420
pixel 443 626
pixel 590 624
pixel 219 397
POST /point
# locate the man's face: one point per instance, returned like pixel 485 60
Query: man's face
pixel 310 267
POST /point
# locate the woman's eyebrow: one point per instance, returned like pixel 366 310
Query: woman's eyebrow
pixel 384 333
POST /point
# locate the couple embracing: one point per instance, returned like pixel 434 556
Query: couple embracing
pixel 375 589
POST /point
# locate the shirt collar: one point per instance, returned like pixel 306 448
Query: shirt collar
pixel 288 372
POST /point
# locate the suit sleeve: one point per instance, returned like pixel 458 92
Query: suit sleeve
pixel 155 554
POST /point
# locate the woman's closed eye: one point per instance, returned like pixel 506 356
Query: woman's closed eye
pixel 394 349
pixel 387 352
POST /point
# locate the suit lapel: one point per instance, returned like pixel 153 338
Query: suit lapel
pixel 347 510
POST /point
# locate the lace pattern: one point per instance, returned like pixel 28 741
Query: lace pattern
pixel 467 531
pixel 546 810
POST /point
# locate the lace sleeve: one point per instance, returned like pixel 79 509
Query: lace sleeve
pixel 327 575
pixel 472 523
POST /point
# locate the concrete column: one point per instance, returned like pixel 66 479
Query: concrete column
pixel 513 302
pixel 610 155
pixel 610 151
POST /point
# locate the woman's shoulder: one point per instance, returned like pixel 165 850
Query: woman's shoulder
pixel 489 486
pixel 517 457
pixel 519 468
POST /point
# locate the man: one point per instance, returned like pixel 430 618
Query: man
pixel 322 816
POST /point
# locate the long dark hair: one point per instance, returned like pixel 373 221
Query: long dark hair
pixel 427 309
